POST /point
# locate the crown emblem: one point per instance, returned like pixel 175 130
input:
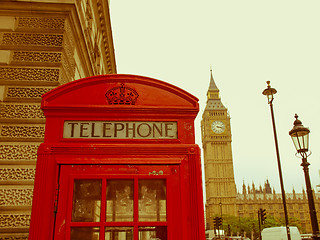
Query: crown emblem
pixel 122 95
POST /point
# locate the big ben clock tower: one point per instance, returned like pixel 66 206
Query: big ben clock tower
pixel 218 165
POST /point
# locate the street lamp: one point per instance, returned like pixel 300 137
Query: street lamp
pixel 269 92
pixel 300 138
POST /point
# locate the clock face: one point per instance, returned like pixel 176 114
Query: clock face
pixel 218 127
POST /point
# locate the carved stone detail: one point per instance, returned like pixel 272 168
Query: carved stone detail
pixel 14 220
pixel 21 111
pixel 28 56
pixel 69 44
pixel 13 238
pixel 68 60
pixel 17 174
pixel 26 92
pixel 32 39
pixel 41 22
pixel 21 131
pixel 69 67
pixel 16 197
pixel 29 74
pixel 105 38
pixel 15 152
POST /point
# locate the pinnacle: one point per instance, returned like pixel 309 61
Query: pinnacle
pixel 212 85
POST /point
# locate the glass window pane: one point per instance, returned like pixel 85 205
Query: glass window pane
pixel 153 233
pixel 119 233
pixel 86 201
pixel 84 233
pixel 120 200
pixel 152 200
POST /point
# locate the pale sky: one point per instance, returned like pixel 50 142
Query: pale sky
pixel 247 42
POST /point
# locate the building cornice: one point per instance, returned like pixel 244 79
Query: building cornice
pixel 72 11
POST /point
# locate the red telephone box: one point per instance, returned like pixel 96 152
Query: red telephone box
pixel 118 162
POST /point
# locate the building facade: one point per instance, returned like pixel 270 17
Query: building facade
pixel 222 198
pixel 43 44
pixel 251 199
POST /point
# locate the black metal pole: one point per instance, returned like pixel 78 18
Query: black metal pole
pixel 220 204
pixel 239 222
pixel 280 173
pixel 259 220
pixel 312 209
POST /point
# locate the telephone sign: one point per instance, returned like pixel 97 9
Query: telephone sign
pixel 120 130
pixel 118 162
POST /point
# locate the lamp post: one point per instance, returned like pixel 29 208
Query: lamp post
pixel 300 138
pixel 269 92
pixel 239 223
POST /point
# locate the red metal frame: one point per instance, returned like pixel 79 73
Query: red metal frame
pixel 66 193
pixel 85 100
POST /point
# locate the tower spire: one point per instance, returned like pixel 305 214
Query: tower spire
pixel 213 95
pixel 212 85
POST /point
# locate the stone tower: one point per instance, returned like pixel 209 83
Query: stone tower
pixel 216 141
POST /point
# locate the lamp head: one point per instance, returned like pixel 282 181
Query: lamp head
pixel 300 137
pixel 269 92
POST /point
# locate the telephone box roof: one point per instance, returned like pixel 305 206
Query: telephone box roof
pixel 119 91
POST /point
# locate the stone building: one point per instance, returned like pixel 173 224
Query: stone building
pixel 221 194
pixel 251 199
pixel 43 44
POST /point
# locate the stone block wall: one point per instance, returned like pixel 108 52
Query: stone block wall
pixel 42 45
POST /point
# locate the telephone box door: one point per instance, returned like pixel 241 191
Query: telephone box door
pixel 118 202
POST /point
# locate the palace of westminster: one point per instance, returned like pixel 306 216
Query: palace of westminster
pixel 47 43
